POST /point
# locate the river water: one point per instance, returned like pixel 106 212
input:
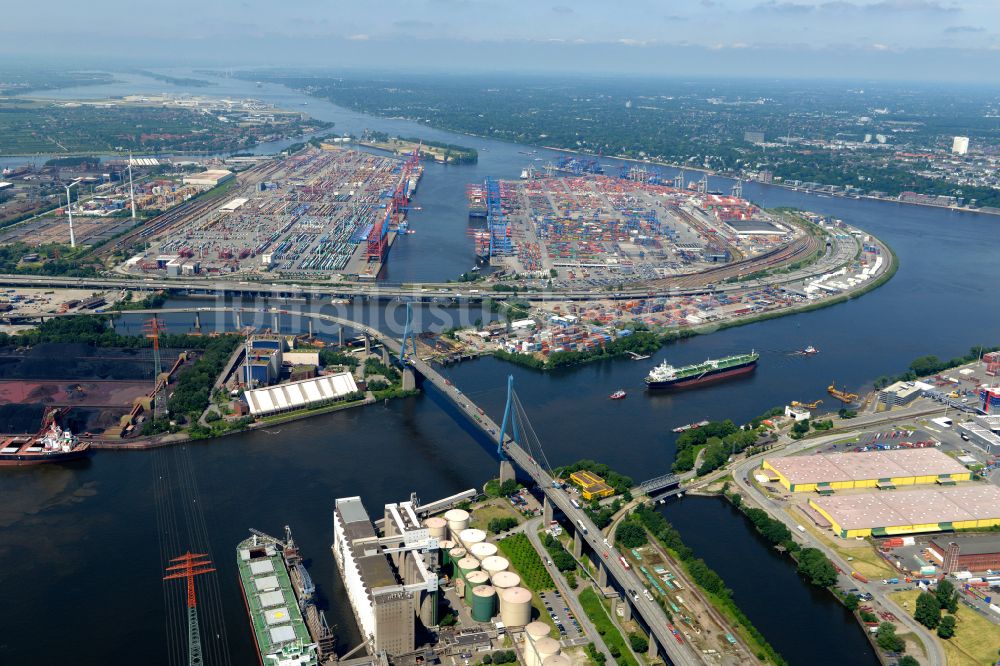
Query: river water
pixel 80 543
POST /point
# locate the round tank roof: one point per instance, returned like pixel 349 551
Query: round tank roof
pixel 495 563
pixel 482 550
pixel 468 564
pixel 546 646
pixel 456 515
pixel 557 660
pixel 506 579
pixel 485 591
pixel 471 535
pixel 516 595
pixel 537 629
pixel 446 544
pixel 477 578
pixel 435 521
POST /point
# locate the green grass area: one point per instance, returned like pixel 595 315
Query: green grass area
pixel 494 508
pixel 976 639
pixel 595 610
pixel 525 560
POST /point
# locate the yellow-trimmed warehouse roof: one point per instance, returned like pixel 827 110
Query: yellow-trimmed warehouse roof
pixel 864 466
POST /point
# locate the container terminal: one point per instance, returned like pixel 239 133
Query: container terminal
pixel 597 226
pixel 314 214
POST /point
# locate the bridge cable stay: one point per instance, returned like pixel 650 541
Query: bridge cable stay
pixel 531 440
pixel 508 418
pixel 408 334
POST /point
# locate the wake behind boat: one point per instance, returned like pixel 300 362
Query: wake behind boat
pixel 666 376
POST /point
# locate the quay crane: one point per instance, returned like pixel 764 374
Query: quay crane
pixel 843 396
pixel 807 405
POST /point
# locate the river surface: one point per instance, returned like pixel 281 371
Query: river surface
pixel 83 561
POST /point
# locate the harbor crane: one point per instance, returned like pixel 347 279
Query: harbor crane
pixel 807 405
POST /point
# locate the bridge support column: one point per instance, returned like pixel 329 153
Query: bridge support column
pixel 547 511
pixel 653 649
pixel 626 609
pixel 197 321
pixel 239 321
pixel 385 355
pixel 368 345
pixel 310 323
pixel 275 323
pixel 506 471
pixel 602 575
pixel 577 544
pixel 409 376
pixel 340 336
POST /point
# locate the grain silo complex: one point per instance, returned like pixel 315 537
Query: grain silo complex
pixel 830 472
pixel 515 606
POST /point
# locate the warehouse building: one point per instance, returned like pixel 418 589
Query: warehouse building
pixel 974 506
pixel 902 393
pixel 298 395
pixel 391 580
pixel 966 552
pixel 827 472
pixel 591 485
pixel 210 178
pixel 981 436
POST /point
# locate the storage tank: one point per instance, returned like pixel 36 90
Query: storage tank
pixel 505 579
pixel 437 527
pixel 545 648
pixel 484 603
pixel 495 564
pixel 515 606
pixel 446 545
pixel 465 566
pixel 476 578
pixel 557 660
pixel 536 630
pixel 482 550
pixel 458 520
pixel 457 553
pixel 471 537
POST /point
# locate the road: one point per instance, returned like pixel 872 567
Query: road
pixel 426 291
pixel 530 529
pixel 741 473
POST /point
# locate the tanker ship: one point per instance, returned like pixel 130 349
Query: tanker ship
pixel 666 376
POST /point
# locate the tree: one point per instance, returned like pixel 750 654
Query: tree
pixel 947 596
pixel 630 535
pixel 907 660
pixel 487 659
pixel 928 610
pixel 887 638
pixel 947 627
pixel 814 564
pixel 638 642
pixel 851 601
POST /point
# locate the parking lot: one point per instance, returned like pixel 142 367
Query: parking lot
pixel 566 623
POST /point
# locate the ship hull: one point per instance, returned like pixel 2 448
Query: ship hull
pixel 25 459
pixel 689 382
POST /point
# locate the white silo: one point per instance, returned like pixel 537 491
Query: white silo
pixel 515 606
pixel 495 564
pixel 505 579
pixel 470 537
pixel 437 528
pixel 482 550
pixel 458 520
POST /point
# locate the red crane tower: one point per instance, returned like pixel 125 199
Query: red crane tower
pixel 153 328
pixel 188 566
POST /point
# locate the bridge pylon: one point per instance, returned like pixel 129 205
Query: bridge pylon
pixel 506 467
pixel 408 335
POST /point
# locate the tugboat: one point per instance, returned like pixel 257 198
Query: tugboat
pixel 618 395
pixel 809 351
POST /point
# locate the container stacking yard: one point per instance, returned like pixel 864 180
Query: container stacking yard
pixel 825 473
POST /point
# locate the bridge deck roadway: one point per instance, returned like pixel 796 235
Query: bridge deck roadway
pixel 651 613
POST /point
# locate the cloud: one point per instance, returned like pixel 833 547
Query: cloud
pixel 412 24
pixel 361 37
pixel 964 29
pixel 882 6
pixel 562 9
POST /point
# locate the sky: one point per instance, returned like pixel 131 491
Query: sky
pixel 906 39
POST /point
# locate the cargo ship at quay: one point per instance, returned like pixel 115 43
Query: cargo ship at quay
pixel 666 376
pixel 56 445
pixel 289 630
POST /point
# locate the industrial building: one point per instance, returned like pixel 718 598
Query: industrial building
pixel 974 506
pixel 981 436
pixel 263 360
pixel 960 145
pixel 591 485
pixel 391 580
pixel 828 472
pixel 298 395
pixel 961 552
pixel 902 393
pixel 989 400
pixel 210 178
